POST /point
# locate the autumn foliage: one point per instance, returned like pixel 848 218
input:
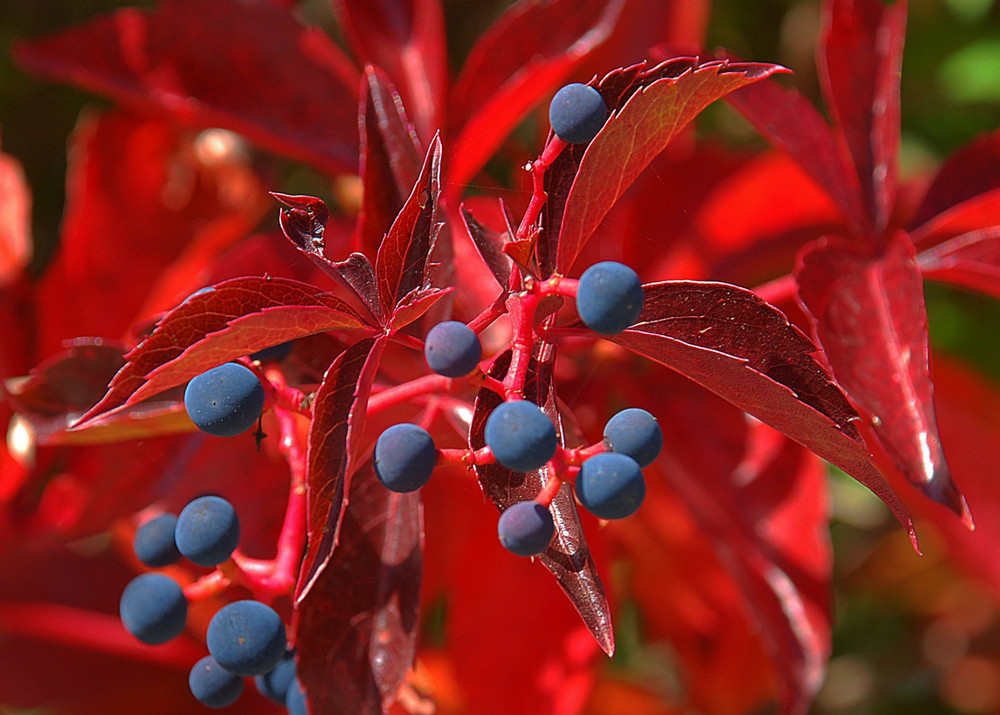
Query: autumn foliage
pixel 784 327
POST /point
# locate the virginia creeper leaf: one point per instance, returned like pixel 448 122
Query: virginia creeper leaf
pixel 530 50
pixel 733 343
pixel 304 224
pixel 414 305
pixel 339 412
pixel 356 627
pixel 971 261
pixel 406 39
pixel 226 321
pixel 403 264
pixel 870 319
pixel 973 214
pixel 490 245
pixel 860 58
pixel 390 158
pixel 568 557
pixel 655 106
pixel 972 170
pixel 245 66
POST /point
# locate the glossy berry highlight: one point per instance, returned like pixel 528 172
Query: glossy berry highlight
pixel 405 456
pixel 452 349
pixel 224 401
pixel 153 608
pixel 609 298
pixel 636 433
pixel 520 435
pixel 247 638
pixel 526 528
pixel 577 113
pixel 610 485
pixel 212 685
pixel 154 543
pixel 208 531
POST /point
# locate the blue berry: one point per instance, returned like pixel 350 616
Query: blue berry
pixel 452 349
pixel 247 638
pixel 274 684
pixel 520 436
pixel 214 686
pixel 224 401
pixel 295 700
pixel 275 353
pixel 405 456
pixel 610 485
pixel 526 528
pixel 636 433
pixel 577 113
pixel 153 608
pixel 154 543
pixel 208 531
pixel 609 298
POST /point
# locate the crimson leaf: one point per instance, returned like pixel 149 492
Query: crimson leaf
pixel 226 321
pixel 971 261
pixel 730 341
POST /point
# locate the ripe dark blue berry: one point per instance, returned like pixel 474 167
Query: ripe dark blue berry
pixel 636 433
pixel 526 528
pixel 247 638
pixel 610 485
pixel 520 436
pixel 214 686
pixel 208 531
pixel 609 298
pixel 153 608
pixel 452 349
pixel 154 543
pixel 274 684
pixel 295 700
pixel 405 456
pixel 224 401
pixel 577 113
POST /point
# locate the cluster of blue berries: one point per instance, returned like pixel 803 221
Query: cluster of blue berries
pixel 245 638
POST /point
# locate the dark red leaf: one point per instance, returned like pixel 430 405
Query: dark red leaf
pixel 403 264
pixel 390 159
pixel 568 558
pixel 406 39
pixel 339 413
pixel 525 55
pixel 870 319
pixel 229 320
pixel 490 245
pixel 791 123
pixel 971 215
pixel 860 56
pixel 972 170
pixel 280 84
pixel 356 628
pixel 649 107
pixel 730 341
pixel 414 305
pixel 971 261
pixel 304 223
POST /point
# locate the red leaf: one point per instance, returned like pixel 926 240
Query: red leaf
pixel 490 244
pixel 971 261
pixel 972 170
pixel 860 58
pixel 390 159
pixel 406 39
pixel 356 628
pixel 970 215
pixel 870 318
pixel 791 123
pixel 646 113
pixel 568 558
pixel 304 223
pixel 414 305
pixel 402 263
pixel 229 320
pixel 733 343
pixel 339 412
pixel 526 54
pixel 15 213
pixel 285 86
